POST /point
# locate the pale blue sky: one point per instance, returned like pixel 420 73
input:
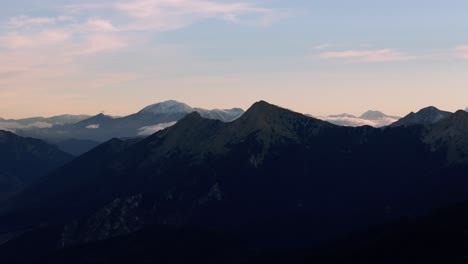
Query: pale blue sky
pixel 317 57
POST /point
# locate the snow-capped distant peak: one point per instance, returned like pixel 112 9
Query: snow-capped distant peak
pixel 168 107
pixel 373 115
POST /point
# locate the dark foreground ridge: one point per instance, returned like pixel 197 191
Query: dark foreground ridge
pixel 24 160
pixel 271 183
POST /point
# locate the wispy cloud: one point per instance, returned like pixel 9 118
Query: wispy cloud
pixel 99 24
pixel 149 130
pixel 353 121
pixel 25 21
pixel 322 46
pixel 20 40
pixel 21 21
pixel 101 43
pixel 163 15
pixel 13 125
pixel 462 51
pixel 376 55
pixel 73 34
pixel 63 51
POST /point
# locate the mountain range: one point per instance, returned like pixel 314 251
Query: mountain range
pixel 80 133
pixel 272 182
pixel 101 127
pixel 40 122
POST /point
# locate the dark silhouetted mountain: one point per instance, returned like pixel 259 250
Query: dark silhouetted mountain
pixel 437 238
pixel 158 244
pixel 450 136
pixel 426 116
pixel 277 179
pixel 149 120
pixel 76 147
pixel 23 160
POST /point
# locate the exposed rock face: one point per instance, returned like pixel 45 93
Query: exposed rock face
pixel 121 217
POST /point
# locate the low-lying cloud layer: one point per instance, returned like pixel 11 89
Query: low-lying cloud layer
pixel 93 126
pixel 353 121
pixel 149 130
pixel 13 126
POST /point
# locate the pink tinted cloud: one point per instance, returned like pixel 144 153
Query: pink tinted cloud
pixel 163 15
pixel 101 43
pixel 16 40
pixel 378 55
pixel 21 21
pixel 462 51
pixel 98 24
pixel 26 21
pixel 146 8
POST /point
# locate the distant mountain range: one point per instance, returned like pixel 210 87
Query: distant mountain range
pixel 101 127
pixel 40 122
pixel 426 116
pixel 369 118
pixel 268 183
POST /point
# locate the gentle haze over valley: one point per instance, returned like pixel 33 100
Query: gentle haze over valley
pixel 316 57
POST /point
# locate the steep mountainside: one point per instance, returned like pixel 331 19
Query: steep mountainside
pixel 437 238
pixel 76 147
pixel 275 178
pixel 23 160
pixel 451 136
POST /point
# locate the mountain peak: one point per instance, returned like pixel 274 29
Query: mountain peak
pixel 193 115
pixel 274 121
pixel 190 120
pixel 168 107
pixel 426 116
pixel 262 113
pixel 373 115
pixel 429 109
pixel 262 107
